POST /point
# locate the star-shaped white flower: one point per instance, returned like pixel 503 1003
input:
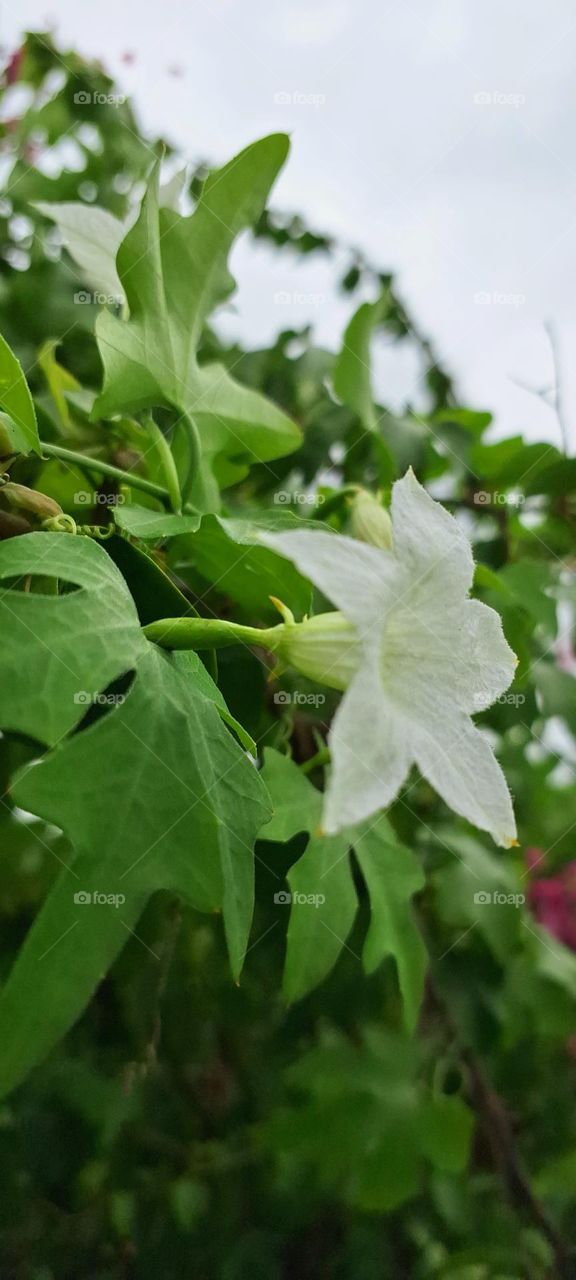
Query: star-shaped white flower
pixel 427 658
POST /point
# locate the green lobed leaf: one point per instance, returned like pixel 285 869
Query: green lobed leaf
pixel 352 378
pixel 143 523
pixel 393 876
pixel 174 271
pixel 16 401
pixel 366 1124
pixel 317 933
pixel 186 823
pixel 227 553
pixel 92 237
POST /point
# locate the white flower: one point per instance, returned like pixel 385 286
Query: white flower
pixel 425 658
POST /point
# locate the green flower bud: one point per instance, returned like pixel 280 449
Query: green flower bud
pixel 6 442
pixel 324 648
pixel 25 499
pixel 369 521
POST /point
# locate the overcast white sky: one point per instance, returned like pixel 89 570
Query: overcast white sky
pixel 437 135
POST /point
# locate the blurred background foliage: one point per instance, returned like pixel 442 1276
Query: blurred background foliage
pixel 186 1127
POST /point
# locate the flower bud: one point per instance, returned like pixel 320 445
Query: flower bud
pixel 6 441
pixel 324 648
pixel 369 521
pixel 25 499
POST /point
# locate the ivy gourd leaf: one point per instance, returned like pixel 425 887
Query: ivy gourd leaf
pixel 92 237
pixel 352 371
pixel 142 522
pixel 228 553
pixel 174 272
pixel 392 875
pixel 19 417
pixel 352 378
pixel 316 935
pixel 205 684
pixel 366 1123
pixel 155 794
pixel 56 649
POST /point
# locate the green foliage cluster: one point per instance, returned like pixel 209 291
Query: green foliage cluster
pixel 199 1077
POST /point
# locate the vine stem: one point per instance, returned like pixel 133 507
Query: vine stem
pixel 317 761
pixel 508 1163
pixel 106 469
pixel 194 453
pixel 209 633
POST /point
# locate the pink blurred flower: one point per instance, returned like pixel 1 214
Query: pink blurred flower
pixel 552 900
pixel 13 67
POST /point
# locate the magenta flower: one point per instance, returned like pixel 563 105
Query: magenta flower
pixel 552 900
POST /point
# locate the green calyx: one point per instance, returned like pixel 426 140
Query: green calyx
pixel 323 648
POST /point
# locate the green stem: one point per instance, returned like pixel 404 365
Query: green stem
pixel 105 469
pixel 317 761
pixel 335 501
pixel 209 633
pixel 194 454
pixel 166 459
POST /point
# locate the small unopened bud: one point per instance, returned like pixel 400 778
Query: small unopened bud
pixel 369 520
pixel 6 442
pixel 24 499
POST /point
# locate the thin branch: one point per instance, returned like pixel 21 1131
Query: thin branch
pixel 558 387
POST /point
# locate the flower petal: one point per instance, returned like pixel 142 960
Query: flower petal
pixel 460 658
pixel 484 663
pixel 360 580
pixel 370 756
pixel 431 546
pixel 458 761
